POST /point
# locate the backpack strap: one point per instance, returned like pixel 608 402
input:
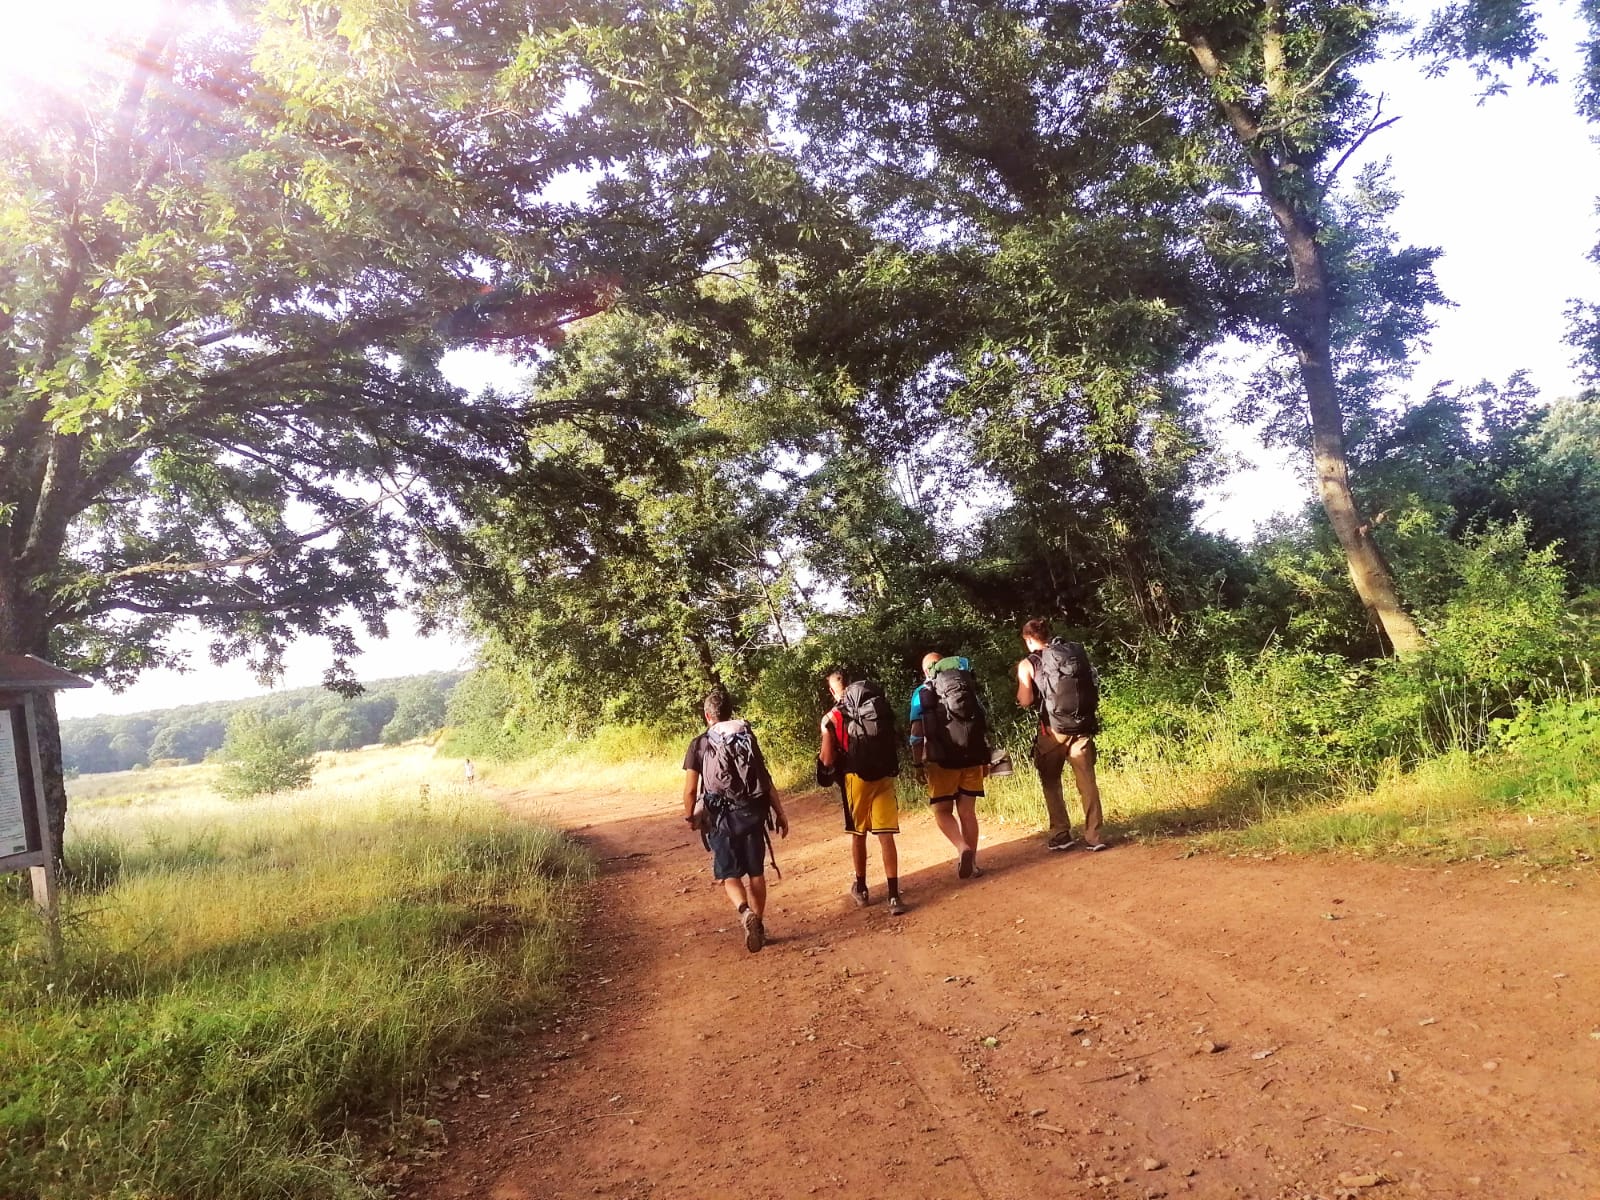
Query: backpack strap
pixel 771 854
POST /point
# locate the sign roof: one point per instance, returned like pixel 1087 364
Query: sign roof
pixel 25 673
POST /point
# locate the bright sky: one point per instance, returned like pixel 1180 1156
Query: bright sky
pixel 1507 189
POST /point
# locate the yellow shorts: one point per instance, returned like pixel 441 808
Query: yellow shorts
pixel 870 806
pixel 946 783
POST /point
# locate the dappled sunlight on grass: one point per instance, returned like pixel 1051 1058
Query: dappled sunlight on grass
pixel 270 969
pixel 1456 806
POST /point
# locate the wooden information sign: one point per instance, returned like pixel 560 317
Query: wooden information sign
pixel 26 843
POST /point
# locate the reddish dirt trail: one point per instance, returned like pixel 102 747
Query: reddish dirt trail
pixel 1429 1027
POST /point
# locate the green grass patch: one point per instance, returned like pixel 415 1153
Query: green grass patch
pixel 1541 805
pixel 1544 807
pixel 1537 802
pixel 242 986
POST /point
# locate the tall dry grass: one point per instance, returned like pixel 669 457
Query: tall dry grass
pixel 245 981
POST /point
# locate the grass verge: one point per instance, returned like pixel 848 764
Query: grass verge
pixel 1540 800
pixel 1544 809
pixel 242 985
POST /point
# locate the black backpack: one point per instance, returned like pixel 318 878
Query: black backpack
pixel 871 750
pixel 734 779
pixel 953 720
pixel 1069 691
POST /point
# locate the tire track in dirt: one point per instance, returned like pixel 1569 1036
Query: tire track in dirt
pixel 1428 1026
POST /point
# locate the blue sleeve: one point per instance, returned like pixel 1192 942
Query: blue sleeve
pixel 916 715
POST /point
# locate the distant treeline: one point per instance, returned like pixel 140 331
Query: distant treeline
pixel 390 710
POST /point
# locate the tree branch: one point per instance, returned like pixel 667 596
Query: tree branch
pixel 1373 126
pixel 255 556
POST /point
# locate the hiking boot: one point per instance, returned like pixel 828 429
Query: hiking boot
pixel 897 906
pixel 1062 839
pixel 968 864
pixel 755 936
pixel 858 893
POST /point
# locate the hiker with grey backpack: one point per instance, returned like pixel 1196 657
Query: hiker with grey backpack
pixel 861 754
pixel 729 799
pixel 1058 676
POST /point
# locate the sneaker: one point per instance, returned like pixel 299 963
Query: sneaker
pixel 1097 846
pixel 968 864
pixel 755 936
pixel 858 893
pixel 897 906
pixel 1062 840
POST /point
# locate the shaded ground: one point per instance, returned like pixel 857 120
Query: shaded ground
pixel 1160 1026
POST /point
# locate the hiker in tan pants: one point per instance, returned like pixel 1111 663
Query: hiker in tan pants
pixel 1054 750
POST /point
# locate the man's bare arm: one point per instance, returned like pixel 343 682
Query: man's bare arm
pixel 829 751
pixel 691 789
pixel 1025 683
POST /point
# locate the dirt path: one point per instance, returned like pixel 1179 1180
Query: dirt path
pixel 1161 1027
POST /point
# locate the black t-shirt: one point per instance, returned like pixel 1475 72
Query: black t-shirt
pixel 695 755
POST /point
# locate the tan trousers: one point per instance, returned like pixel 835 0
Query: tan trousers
pixel 1052 752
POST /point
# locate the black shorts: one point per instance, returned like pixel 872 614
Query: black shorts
pixel 737 854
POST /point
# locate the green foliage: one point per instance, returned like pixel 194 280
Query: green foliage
pixel 1503 636
pixel 1552 729
pixel 189 733
pixel 491 716
pixel 264 756
pixel 419 710
pixel 277 986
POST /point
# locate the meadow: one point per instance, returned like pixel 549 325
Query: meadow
pixel 248 985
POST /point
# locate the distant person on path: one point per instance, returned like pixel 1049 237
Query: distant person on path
pixel 471 773
pixel 1058 676
pixel 728 796
pixel 950 745
pixel 860 750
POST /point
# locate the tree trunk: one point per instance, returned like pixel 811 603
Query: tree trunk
pixel 1308 326
pixel 706 660
pixel 1313 347
pixel 1131 529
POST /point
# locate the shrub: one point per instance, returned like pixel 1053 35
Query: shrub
pixel 261 755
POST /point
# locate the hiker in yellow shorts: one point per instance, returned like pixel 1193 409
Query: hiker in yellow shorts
pixel 950 742
pixel 860 751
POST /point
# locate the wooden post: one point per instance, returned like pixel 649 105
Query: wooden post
pixel 44 876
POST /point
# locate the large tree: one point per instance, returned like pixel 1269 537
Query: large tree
pixel 1105 190
pixel 1289 113
pixel 1034 297
pixel 233 253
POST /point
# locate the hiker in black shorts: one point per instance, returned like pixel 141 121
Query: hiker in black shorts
pixel 728 796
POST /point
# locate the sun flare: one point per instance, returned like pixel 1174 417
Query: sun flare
pixel 61 45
